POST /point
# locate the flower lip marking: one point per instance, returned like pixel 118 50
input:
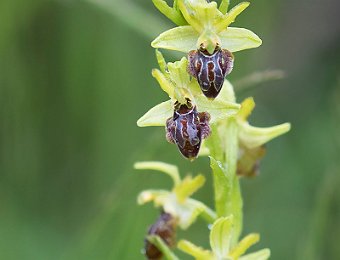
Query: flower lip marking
pixel 210 70
pixel 187 128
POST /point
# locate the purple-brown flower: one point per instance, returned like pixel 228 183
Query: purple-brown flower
pixel 210 69
pixel 165 228
pixel 187 128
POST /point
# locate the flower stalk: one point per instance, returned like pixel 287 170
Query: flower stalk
pixel 202 118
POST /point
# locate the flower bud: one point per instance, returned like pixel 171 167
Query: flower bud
pixel 210 70
pixel 248 163
pixel 165 228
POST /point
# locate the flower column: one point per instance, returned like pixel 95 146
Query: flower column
pixel 202 106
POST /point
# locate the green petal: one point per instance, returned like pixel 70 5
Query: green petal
pixel 161 61
pixel 152 195
pixel 182 38
pixel 178 73
pixel 236 39
pixel 197 252
pixel 247 106
pixel 164 82
pixel 252 137
pixel 231 16
pixel 224 6
pixel 157 115
pixel 263 254
pixel 159 243
pixel 166 168
pixel 243 245
pixel 173 14
pixel 189 186
pixel 218 109
pixel 221 235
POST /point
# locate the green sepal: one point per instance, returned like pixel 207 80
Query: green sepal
pixel 166 168
pixel 218 109
pixel 252 137
pixel 157 115
pixel 237 39
pixel 185 39
pixel 182 38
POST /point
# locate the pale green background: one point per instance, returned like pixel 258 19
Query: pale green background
pixel 74 78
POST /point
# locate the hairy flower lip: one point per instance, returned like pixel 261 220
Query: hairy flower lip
pixel 174 79
pixel 187 128
pixel 207 31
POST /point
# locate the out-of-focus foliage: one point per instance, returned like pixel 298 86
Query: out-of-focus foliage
pixel 75 77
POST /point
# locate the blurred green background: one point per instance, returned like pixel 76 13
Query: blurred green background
pixel 75 77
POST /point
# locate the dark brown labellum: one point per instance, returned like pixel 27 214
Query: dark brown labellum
pixel 187 128
pixel 165 228
pixel 210 69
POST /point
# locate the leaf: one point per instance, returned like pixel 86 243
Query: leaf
pixel 157 115
pixel 182 38
pixel 166 168
pixel 236 39
pixel 221 235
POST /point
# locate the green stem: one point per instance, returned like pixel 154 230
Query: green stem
pixel 234 202
pixel 224 148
